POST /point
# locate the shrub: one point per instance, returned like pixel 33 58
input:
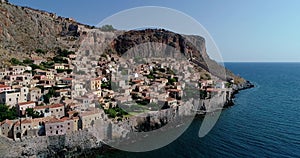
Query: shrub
pixel 107 28
pixel 15 61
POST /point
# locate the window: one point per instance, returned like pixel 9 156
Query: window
pixel 56 132
pixel 51 132
pixel 17 128
pixel 9 99
pixel 61 126
pixel 69 128
pixel 23 126
pixel 51 128
pixel 57 126
pixel 56 110
pixel 60 109
pixel 69 123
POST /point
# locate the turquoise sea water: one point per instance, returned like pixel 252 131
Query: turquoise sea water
pixel 265 121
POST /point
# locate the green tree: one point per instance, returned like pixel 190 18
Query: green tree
pixel 50 94
pixel 7 113
pixel 40 51
pixel 27 61
pixel 112 113
pixel 31 113
pixel 15 61
pixel 171 81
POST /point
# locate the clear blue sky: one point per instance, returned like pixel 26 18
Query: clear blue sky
pixel 252 30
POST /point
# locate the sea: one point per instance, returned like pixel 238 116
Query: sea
pixel 264 122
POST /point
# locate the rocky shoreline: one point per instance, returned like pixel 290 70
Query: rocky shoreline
pixel 105 148
pixel 236 89
pixel 79 144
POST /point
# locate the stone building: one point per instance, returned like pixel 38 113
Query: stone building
pixel 35 94
pixel 88 118
pixel 14 96
pixel 21 107
pixel 30 127
pixel 55 127
pixel 6 128
pixel 55 110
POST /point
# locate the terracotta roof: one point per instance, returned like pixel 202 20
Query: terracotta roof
pixel 49 106
pixel 54 120
pixel 26 121
pixel 98 78
pixel 56 106
pixel 87 113
pixel 137 81
pixel 65 119
pixel 4 86
pixel 41 107
pixel 73 105
pixel 26 103
pixel 72 112
pixel 6 121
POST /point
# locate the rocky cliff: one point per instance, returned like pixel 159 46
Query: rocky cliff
pixel 193 47
pixel 24 30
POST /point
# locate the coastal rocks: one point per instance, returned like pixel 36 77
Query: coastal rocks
pixel 70 145
pixel 243 86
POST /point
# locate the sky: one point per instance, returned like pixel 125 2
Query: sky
pixel 243 31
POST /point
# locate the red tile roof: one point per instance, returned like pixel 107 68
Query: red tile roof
pixel 26 103
pixel 54 120
pixel 49 106
pixel 56 106
pixel 4 86
pixel 7 122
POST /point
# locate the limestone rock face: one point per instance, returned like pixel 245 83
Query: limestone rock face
pixel 24 30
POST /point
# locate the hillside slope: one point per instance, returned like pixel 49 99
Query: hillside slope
pixel 24 30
